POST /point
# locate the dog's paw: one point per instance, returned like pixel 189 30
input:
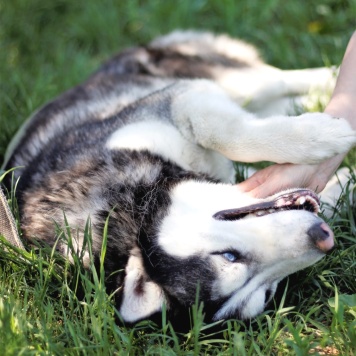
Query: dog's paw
pixel 323 136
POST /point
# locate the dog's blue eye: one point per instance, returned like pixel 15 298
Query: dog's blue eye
pixel 231 257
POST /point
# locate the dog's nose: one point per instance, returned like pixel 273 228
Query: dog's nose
pixel 322 236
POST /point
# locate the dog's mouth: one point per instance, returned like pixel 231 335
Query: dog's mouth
pixel 301 199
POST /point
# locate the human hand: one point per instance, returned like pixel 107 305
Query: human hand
pixel 278 177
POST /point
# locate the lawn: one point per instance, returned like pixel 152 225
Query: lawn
pixel 49 46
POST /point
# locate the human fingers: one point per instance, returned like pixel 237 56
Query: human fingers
pixel 264 182
pixel 251 182
pixel 276 178
pixel 270 187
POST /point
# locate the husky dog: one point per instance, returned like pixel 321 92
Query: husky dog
pixel 147 142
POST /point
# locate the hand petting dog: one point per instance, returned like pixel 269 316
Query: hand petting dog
pixel 283 176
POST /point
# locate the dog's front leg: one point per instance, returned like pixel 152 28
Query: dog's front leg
pixel 206 115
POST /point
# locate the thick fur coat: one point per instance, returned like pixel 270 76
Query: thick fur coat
pixel 147 142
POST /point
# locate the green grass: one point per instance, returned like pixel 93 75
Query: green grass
pixel 49 46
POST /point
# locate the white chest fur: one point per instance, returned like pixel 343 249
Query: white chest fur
pixel 165 140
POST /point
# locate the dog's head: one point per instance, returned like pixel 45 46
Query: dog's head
pixel 235 247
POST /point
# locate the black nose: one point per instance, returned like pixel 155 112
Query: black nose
pixel 322 236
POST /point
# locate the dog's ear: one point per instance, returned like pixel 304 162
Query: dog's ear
pixel 141 296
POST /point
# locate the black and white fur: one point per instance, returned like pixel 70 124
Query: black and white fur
pixel 148 141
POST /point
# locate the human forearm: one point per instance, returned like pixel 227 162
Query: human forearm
pixel 343 100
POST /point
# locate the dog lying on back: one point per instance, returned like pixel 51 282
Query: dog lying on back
pixel 148 141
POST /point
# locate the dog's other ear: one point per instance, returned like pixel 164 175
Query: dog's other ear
pixel 141 297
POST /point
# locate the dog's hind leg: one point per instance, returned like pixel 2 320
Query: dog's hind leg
pixel 267 90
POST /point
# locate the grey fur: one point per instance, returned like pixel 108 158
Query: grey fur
pixel 70 168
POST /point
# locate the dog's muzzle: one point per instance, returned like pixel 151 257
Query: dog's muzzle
pixel 300 199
